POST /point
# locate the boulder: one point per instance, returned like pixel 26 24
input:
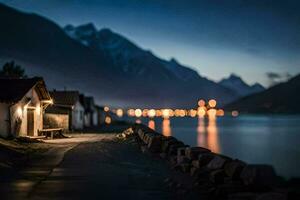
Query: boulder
pixel 242 196
pixel 202 175
pixel 234 168
pixel 174 147
pixel 196 163
pixel 182 159
pixel 217 176
pixel 185 167
pixel 194 171
pixel 154 144
pixel 167 138
pixel 193 152
pixel 145 137
pixel 148 137
pixel 167 143
pixel 259 175
pixel 141 136
pixel 218 162
pixel 204 159
pixel 144 148
pixel 229 188
pixel 140 133
pixel 163 155
pixel 172 160
pixel 129 131
pixel 272 196
pixel 181 151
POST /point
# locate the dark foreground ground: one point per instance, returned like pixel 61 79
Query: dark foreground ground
pixel 101 168
pixel 105 170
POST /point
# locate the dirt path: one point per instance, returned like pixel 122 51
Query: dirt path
pixel 98 168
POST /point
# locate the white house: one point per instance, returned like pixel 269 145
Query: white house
pixel 90 111
pixel 22 104
pixel 66 102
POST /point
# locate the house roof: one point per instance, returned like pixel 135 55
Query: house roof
pixel 65 98
pixel 99 107
pixel 13 90
pixel 53 109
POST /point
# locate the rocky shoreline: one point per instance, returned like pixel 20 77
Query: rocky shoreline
pixel 209 175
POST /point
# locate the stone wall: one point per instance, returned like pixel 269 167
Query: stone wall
pixel 213 176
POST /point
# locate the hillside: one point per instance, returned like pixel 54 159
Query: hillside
pixel 281 98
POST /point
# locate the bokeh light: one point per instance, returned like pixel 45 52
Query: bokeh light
pixel 107 120
pixel 201 103
pixel 138 112
pixel 235 113
pixel 119 112
pixel 212 103
pixel 151 113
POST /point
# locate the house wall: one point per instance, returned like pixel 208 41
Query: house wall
pixel 56 121
pixel 4 117
pixel 19 114
pixel 87 119
pixel 95 118
pixel 78 116
pixel 101 116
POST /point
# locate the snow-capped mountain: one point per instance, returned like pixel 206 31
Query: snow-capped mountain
pixel 180 71
pixel 126 55
pixel 236 84
pixel 139 64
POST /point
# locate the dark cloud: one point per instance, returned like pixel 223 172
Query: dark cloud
pixel 275 78
pixel 273 75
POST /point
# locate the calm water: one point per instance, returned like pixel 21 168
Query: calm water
pixel 271 140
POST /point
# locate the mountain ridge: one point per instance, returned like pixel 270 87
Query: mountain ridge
pixel 281 98
pixel 64 62
pixel 121 50
pixel 235 83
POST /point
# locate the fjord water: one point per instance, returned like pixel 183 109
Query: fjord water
pixel 271 140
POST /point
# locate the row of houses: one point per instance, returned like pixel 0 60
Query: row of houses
pixel 72 111
pixel 27 108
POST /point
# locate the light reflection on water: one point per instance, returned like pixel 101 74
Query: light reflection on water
pixel 166 127
pixel 207 136
pixel 151 124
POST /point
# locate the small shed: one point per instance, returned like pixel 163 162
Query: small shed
pixel 57 117
pixel 22 105
pixel 66 107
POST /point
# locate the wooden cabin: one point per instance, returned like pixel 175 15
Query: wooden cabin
pixel 22 105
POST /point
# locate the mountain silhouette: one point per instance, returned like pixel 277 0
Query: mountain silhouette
pixel 101 63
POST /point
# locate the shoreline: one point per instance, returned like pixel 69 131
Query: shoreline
pixel 257 140
pixel 229 177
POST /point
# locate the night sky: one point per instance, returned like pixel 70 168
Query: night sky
pixel 256 39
